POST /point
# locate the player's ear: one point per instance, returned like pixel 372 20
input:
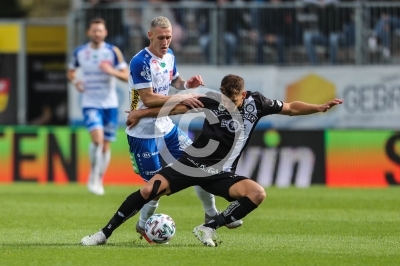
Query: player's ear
pixel 244 94
pixel 149 34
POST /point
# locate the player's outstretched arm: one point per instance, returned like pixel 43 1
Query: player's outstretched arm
pixel 135 115
pixel 302 108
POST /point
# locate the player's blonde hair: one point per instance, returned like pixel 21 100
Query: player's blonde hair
pixel 161 22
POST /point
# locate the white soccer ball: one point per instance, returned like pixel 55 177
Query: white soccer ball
pixel 160 228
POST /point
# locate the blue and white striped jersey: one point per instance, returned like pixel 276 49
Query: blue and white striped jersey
pixel 149 71
pixel 100 87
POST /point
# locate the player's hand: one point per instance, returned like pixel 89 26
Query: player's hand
pixel 325 107
pixel 133 118
pixel 79 86
pixel 192 100
pixel 106 67
pixel 194 82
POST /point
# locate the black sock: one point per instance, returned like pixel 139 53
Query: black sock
pixel 236 211
pixel 132 205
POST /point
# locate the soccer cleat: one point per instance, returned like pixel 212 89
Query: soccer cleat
pixel 142 233
pixel 232 225
pixel 94 240
pixel 205 234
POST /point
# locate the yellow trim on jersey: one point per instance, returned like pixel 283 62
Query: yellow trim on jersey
pixel 134 99
pixel 118 52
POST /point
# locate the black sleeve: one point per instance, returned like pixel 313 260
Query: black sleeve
pixel 208 102
pixel 267 106
pixel 211 99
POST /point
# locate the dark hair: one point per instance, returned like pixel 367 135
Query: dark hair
pixel 231 85
pixel 97 21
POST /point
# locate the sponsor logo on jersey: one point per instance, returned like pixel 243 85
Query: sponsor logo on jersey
pixel 252 118
pixel 219 112
pixel 250 108
pixel 221 108
pixel 232 125
pixel 145 73
pixel 162 88
pixel 147 155
pixel 154 63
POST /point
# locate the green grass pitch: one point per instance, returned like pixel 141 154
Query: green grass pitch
pixel 43 224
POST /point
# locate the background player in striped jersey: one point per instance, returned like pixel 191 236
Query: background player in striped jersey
pixel 100 63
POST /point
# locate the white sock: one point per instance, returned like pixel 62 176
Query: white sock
pixel 95 154
pixel 105 161
pixel 208 201
pixel 146 211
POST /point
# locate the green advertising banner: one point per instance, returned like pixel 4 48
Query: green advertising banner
pixel 336 158
pixel 59 155
pixel 362 158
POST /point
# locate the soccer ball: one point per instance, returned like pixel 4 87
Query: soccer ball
pixel 160 228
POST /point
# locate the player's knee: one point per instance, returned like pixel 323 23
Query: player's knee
pixel 152 191
pixel 258 194
pixel 106 146
pixel 146 191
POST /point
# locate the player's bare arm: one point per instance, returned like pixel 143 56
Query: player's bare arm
pixel 135 115
pixel 302 108
pixel 71 75
pixel 180 84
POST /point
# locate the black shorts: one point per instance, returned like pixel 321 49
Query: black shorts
pixel 217 184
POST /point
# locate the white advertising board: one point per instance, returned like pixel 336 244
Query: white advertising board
pixel 371 94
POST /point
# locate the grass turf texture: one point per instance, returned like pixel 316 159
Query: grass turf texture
pixel 43 224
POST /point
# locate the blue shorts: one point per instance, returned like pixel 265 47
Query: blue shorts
pixel 146 154
pixel 106 119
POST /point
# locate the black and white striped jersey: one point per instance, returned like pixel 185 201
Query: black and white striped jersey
pixel 226 133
